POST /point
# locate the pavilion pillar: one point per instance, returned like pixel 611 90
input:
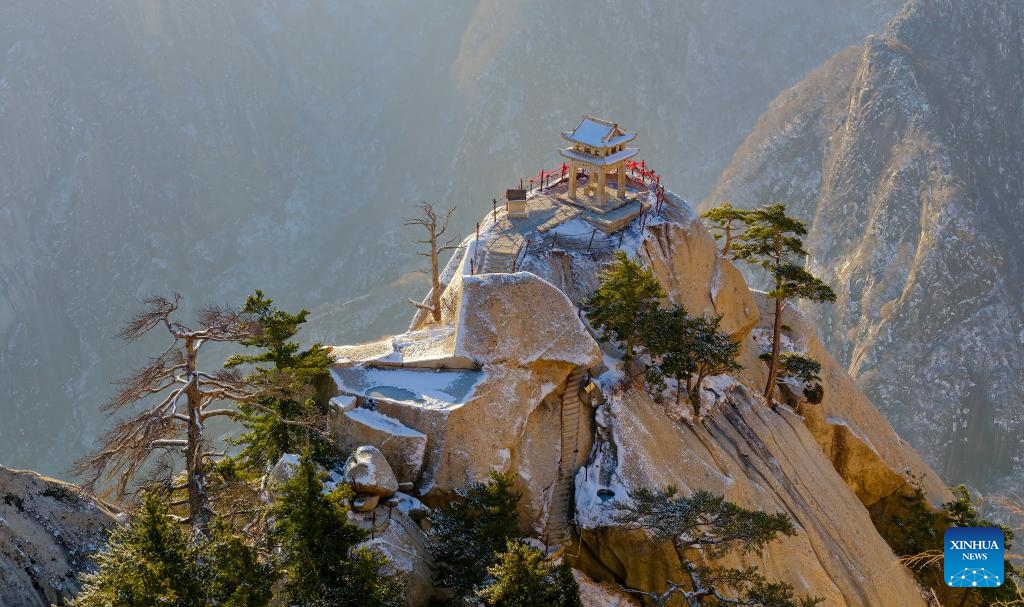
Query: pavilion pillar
pixel 620 175
pixel 602 180
pixel 572 179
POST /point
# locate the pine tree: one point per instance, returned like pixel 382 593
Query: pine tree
pixel 153 561
pixel 150 561
pixel 469 531
pixel 683 346
pixel 724 220
pixel 237 576
pixel 627 292
pixel 317 540
pixel 715 527
pixel 287 419
pixel 771 239
pixel 802 368
pixel 522 577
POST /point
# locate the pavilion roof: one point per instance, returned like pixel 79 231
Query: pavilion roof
pixel 599 160
pixel 598 133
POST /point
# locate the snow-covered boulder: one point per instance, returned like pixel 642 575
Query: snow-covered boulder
pixel 519 319
pixel 369 472
pixel 402 446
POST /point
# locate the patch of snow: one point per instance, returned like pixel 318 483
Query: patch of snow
pixel 435 389
pixel 716 281
pixel 344 402
pixel 763 339
pixel 838 421
pixel 408 503
pixel 382 422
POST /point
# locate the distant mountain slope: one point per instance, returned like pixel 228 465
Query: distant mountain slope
pixel 208 148
pixel 907 157
pixel 691 76
pixel 212 148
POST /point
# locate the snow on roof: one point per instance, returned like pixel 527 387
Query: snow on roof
pixel 599 133
pixel 599 160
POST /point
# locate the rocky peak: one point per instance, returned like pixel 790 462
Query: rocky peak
pixel 512 380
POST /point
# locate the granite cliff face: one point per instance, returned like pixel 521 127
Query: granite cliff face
pixel 512 380
pixel 48 530
pixel 905 155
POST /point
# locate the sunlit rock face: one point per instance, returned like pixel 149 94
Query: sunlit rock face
pixel 48 532
pixel 904 156
pixel 822 464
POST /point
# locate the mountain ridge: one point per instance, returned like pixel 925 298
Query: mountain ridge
pixel 908 164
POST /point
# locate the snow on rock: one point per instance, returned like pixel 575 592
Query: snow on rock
pixel 402 447
pixel 756 458
pixel 343 402
pixel 430 348
pixel 520 319
pixel 369 472
pixel 435 389
pixel 284 468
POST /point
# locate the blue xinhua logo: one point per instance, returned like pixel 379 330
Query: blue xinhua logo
pixel 973 556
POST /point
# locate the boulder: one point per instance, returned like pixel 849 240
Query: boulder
pixel 405 546
pixel 519 319
pixel 402 446
pixel 48 532
pixel 685 260
pixel 369 472
pixel 365 502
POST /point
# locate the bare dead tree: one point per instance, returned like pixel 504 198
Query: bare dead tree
pixel 177 399
pixel 434 223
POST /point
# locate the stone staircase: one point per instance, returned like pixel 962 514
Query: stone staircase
pixel 557 529
pixel 497 262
